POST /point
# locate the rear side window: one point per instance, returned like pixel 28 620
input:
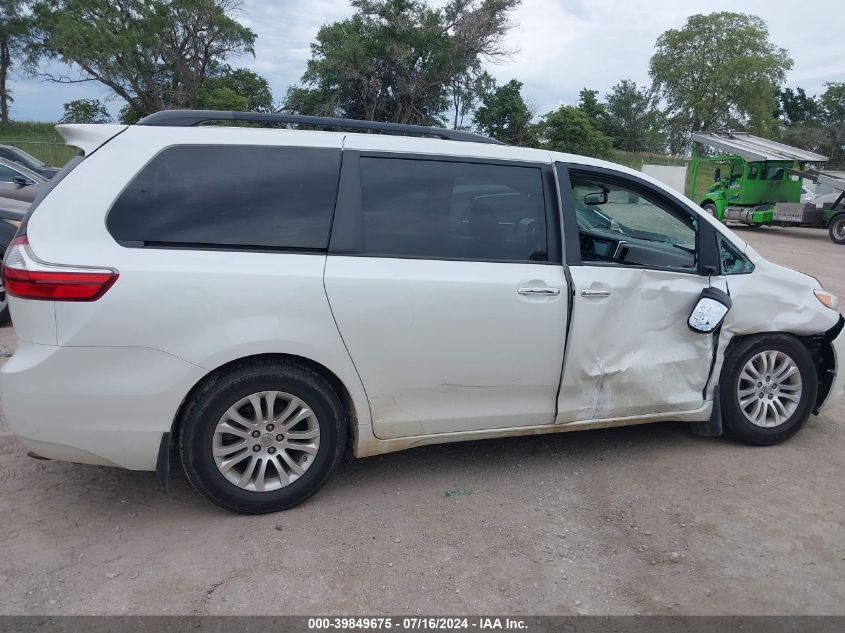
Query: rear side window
pixel 231 196
pixel 452 210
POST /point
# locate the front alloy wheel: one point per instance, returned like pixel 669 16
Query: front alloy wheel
pixel 768 387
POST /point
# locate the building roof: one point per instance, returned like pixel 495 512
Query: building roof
pixel 753 148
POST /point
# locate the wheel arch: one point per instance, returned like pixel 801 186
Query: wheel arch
pixel 819 347
pixel 330 376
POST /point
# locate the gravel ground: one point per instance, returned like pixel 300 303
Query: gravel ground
pixel 639 520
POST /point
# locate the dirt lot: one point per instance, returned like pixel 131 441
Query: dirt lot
pixel 561 524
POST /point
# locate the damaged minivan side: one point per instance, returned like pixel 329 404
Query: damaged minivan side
pixel 315 289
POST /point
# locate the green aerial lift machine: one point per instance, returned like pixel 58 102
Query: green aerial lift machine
pixel 764 183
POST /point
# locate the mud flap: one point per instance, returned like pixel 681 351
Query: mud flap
pixel 713 426
pixel 163 461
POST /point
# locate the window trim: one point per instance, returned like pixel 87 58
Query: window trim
pixel 347 234
pixel 200 246
pixel 708 262
pixel 723 238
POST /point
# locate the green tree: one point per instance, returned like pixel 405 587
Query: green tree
pixel 832 102
pixel 399 60
pixel 810 135
pixel 465 93
pixel 819 127
pixel 568 129
pixel 235 89
pixel 14 34
pixel 85 111
pixel 504 115
pixel 718 70
pixel 633 119
pixel 128 116
pixel 794 106
pixel 154 54
pixel 589 104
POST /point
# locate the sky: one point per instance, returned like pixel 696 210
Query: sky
pixel 559 46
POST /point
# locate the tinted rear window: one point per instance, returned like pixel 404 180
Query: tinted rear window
pixel 241 196
pixel 452 210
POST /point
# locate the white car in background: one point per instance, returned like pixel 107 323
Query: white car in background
pixel 259 298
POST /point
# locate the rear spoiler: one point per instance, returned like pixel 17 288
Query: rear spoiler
pixel 88 137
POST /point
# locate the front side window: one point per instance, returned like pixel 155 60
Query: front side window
pixel 231 196
pixel 626 225
pixel 733 262
pixel 452 210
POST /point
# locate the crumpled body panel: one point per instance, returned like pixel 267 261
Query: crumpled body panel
pixel 631 353
pixel 771 299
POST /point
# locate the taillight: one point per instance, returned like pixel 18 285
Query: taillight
pixel 27 277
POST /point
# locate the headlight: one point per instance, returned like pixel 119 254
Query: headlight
pixel 828 299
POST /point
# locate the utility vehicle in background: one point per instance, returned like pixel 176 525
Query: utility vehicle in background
pixel 764 184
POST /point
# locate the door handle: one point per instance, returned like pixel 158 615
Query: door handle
pixel 595 294
pixel 548 292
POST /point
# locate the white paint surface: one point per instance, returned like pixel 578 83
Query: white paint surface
pixel 672 176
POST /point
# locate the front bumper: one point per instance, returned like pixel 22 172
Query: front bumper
pixel 837 386
pixel 94 405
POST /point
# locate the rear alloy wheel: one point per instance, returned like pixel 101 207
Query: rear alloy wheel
pixel 266 441
pixel 262 437
pixel 768 388
pixel 837 229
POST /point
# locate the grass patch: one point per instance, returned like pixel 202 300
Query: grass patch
pixel 39 139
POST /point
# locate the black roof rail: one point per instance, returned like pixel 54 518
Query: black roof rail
pixel 190 118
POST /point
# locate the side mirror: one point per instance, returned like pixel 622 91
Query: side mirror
pixel 709 311
pixel 717 175
pixel 595 199
pixel 20 181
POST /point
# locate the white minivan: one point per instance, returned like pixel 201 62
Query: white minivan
pixel 257 299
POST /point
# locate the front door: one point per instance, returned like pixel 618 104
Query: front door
pixel 445 280
pixel 637 272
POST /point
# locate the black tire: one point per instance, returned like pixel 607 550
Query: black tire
pixel 218 394
pixel 710 208
pixel 735 422
pixel 836 229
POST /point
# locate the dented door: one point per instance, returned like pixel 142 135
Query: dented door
pixel 638 259
pixel 630 351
